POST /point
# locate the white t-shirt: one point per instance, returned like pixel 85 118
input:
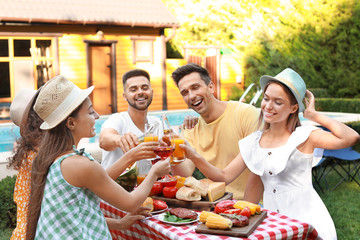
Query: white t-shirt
pixel 123 123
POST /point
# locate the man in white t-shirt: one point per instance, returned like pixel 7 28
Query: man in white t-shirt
pixel 120 132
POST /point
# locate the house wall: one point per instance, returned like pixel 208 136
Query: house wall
pixel 72 60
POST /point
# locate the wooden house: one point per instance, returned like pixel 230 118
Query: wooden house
pixel 94 42
pixel 91 42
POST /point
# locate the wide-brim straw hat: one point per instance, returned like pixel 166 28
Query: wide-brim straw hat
pixel 58 98
pixel 20 102
pixel 292 80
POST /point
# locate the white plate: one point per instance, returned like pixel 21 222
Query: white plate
pixel 161 219
pixel 159 211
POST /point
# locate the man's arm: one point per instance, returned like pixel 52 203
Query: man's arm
pixel 110 139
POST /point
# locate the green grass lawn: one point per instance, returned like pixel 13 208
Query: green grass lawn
pixel 342 203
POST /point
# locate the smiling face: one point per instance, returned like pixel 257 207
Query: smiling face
pixel 277 104
pixel 197 95
pixel 83 124
pixel 138 92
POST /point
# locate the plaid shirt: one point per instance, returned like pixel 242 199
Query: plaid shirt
pixel 69 212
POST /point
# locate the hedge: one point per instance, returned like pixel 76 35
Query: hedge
pixel 7 204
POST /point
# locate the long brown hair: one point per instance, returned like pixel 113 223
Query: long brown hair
pixel 55 143
pixel 293 120
pixel 30 138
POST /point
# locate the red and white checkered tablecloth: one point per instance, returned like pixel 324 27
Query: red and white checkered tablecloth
pixel 274 226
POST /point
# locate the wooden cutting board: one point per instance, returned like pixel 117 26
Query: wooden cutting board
pixel 198 205
pixel 254 222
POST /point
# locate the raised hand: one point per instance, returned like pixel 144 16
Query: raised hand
pixel 310 111
pixel 127 141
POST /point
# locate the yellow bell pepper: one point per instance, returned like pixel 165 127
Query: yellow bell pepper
pixel 254 208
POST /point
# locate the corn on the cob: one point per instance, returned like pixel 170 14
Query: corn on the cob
pixel 218 222
pixel 205 214
pixel 254 208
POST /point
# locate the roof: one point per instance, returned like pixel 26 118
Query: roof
pixel 143 13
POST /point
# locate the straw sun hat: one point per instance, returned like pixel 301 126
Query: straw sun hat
pixel 292 80
pixel 20 103
pixel 57 100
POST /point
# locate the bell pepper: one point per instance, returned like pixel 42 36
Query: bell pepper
pixel 254 208
pixel 224 205
pixel 233 211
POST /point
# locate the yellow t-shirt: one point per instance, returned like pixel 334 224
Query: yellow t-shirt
pixel 218 141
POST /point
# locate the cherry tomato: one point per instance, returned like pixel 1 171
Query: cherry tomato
pixel 169 192
pixel 156 189
pixel 159 205
pixel 246 212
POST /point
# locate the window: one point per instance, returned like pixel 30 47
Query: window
pixel 24 62
pixel 143 49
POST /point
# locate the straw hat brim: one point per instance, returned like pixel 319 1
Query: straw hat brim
pixel 77 102
pixel 265 79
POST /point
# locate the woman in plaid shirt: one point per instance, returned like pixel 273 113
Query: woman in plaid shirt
pixel 67 183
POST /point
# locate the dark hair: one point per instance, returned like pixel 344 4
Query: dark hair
pixel 31 136
pixel 135 73
pixel 293 120
pixel 189 68
pixel 55 142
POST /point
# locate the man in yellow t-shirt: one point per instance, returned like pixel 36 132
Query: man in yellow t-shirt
pixel 221 124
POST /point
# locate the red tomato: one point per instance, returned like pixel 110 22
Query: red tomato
pixel 168 181
pixel 224 205
pixel 246 212
pixel 159 205
pixel 236 211
pixel 156 189
pixel 169 192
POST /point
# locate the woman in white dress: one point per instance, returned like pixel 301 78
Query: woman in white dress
pixel 282 154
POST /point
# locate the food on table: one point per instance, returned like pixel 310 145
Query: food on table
pixel 237 220
pixel 188 194
pixel 254 208
pixel 169 192
pixel 218 222
pixel 246 212
pixel 149 203
pixel 168 181
pixel 205 214
pixel 236 211
pixel 206 181
pixel 192 182
pixel 180 181
pixel 224 205
pixel 128 178
pixel 183 213
pixel 156 189
pixel 168 217
pixel 159 205
pixel 216 190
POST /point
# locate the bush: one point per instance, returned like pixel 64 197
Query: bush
pixel 320 92
pixel 338 105
pixel 7 204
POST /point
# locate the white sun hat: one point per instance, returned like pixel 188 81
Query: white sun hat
pixel 58 98
pixel 292 80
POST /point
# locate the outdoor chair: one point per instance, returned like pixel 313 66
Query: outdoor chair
pixel 345 162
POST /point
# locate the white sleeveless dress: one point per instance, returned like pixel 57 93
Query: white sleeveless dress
pixel 286 175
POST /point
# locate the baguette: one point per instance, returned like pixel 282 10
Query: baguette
pixel 188 194
pixel 192 182
pixel 149 203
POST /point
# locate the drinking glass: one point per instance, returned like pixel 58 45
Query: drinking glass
pixel 165 145
pixel 178 156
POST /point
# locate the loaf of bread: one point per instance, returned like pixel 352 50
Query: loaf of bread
pixel 149 203
pixel 193 183
pixel 188 194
